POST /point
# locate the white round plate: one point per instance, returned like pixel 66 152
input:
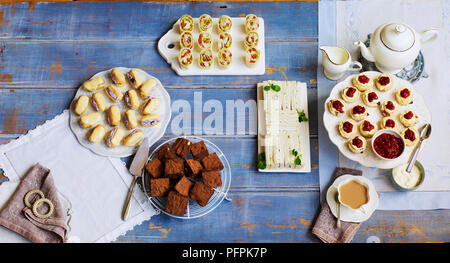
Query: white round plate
pixel 153 133
pixel 368 157
pixel 348 214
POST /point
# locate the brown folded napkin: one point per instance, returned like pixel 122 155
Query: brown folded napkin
pixel 325 226
pixel 19 218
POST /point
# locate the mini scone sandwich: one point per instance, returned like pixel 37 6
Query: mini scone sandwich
pixel 132 99
pixel 388 108
pixel 408 118
pixel 114 115
pixel 370 98
pixel 147 87
pixel 367 129
pixel 205 23
pixel 251 39
pixel 362 82
pixel 133 138
pixel 98 102
pixel 251 23
pixel 204 40
pixel 384 82
pixel 224 58
pixel 81 105
pixel 186 40
pixel 129 119
pixel 150 120
pixel 357 144
pixel 93 84
pixel 150 106
pixel 90 119
pixel 205 59
pixel 388 123
pixel 347 128
pixel 185 58
pixel 358 112
pixel 224 24
pixel 113 93
pixel 410 135
pixel 115 137
pixel 251 56
pixel 135 78
pixel 225 40
pixel 97 134
pixel 404 96
pixel 336 107
pixel 186 23
pixel 350 94
pixel 117 77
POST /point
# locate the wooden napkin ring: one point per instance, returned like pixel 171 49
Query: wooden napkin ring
pixel 38 204
pixel 27 196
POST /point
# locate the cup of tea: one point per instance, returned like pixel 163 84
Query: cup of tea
pixel 354 194
pixel 336 61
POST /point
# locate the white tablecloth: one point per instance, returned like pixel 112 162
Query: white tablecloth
pixel 354 20
pixel 96 186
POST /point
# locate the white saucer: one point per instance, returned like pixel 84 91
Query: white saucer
pixel 347 214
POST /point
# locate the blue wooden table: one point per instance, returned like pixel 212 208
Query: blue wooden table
pixel 48 49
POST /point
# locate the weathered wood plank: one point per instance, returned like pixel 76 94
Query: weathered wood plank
pixel 286 217
pixel 24 109
pixel 137 20
pixel 67 64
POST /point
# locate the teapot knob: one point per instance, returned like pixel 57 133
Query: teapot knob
pixel 400 28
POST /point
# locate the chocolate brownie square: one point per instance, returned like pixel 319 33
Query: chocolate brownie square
pixel 181 147
pixel 193 168
pixel 212 178
pixel 159 186
pixel 183 186
pixel 199 150
pixel 165 153
pixel 155 168
pixel 176 203
pixel 212 162
pixel 201 193
pixel 174 168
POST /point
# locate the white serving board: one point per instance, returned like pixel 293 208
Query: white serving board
pixel 238 66
pixel 153 133
pixel 305 166
pixel 368 157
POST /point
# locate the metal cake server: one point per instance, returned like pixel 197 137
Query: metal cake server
pixel 136 167
pixel 424 134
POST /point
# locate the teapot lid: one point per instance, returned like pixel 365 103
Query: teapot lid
pixel 397 37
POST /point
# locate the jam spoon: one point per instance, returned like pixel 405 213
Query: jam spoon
pixel 425 132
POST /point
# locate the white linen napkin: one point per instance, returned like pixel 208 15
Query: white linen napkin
pixel 96 186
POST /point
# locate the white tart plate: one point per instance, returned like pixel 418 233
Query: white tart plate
pixel 169 48
pixel 348 214
pixel 368 157
pixel 153 133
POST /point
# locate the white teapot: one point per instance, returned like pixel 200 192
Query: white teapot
pixel 395 45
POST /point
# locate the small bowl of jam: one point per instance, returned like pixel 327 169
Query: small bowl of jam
pixel 388 144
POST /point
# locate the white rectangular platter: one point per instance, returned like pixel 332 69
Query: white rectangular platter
pixel 169 48
pixel 292 98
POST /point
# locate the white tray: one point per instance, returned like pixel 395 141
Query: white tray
pixel 238 66
pixel 368 157
pixel 304 132
pixel 153 133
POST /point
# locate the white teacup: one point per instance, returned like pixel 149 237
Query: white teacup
pixel 363 206
pixel 336 61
